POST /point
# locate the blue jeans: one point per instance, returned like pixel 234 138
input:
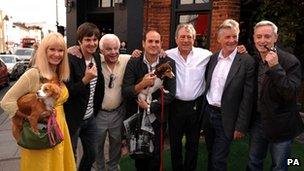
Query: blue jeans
pixel 279 151
pixel 87 133
pixel 218 143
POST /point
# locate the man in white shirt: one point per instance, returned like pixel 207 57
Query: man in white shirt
pixel 184 118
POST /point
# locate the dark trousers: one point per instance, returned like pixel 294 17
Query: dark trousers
pixel 152 163
pixel 87 133
pixel 216 140
pixel 184 119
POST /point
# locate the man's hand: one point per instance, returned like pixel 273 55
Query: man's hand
pixel 75 50
pixel 162 53
pixel 238 135
pixel 241 49
pixel 148 80
pixel 272 58
pixel 136 53
pixel 90 73
pixel 142 104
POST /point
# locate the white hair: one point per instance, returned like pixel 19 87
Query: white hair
pixel 229 24
pixel 267 23
pixel 108 37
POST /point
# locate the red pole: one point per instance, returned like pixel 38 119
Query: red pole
pixel 161 168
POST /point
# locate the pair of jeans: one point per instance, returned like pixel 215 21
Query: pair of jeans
pixel 259 145
pixel 109 123
pixel 217 142
pixel 87 132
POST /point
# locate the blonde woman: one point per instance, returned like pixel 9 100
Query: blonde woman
pixel 51 61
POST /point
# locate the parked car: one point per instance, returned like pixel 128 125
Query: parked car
pixel 4 77
pixel 19 69
pixel 10 61
pixel 24 53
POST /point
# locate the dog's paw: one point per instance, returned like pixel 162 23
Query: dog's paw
pixel 166 91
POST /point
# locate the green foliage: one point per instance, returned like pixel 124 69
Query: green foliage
pixel 288 15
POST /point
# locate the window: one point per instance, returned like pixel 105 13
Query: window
pixel 196 12
pixel 184 2
pixel 200 23
pixel 106 3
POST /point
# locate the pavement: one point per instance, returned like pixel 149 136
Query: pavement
pixel 9 151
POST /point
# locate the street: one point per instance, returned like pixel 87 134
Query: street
pixel 9 153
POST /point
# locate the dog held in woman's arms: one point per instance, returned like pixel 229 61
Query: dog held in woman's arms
pixel 35 107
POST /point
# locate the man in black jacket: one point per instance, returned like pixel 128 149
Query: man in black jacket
pixel 137 77
pixel 277 120
pixel 86 92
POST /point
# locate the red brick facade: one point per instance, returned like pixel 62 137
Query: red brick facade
pixel 157 16
pixel 221 10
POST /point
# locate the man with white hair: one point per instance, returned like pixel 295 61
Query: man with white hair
pixel 110 118
pixel 228 97
pixel 277 119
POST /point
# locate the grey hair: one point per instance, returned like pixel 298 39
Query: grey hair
pixel 267 23
pixel 189 27
pixel 229 24
pixel 108 37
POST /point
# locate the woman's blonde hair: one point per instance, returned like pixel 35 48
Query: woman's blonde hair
pixel 41 61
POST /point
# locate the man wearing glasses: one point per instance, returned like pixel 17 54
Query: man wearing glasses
pixel 110 117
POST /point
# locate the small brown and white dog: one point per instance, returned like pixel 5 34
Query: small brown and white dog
pixel 35 107
pixel 161 71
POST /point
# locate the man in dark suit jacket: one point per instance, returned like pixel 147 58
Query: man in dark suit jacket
pixel 277 120
pixel 86 91
pixel 228 96
pixel 138 77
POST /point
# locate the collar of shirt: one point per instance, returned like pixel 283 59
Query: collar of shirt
pixel 189 56
pixel 150 66
pixel 229 57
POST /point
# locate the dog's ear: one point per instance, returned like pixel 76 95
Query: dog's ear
pixel 56 91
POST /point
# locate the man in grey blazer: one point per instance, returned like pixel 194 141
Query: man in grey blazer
pixel 228 96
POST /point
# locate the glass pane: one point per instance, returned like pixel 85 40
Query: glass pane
pixel 186 2
pixel 201 1
pixel 200 23
pixel 105 3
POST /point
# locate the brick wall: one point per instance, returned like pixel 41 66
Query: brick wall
pixel 157 16
pixel 222 9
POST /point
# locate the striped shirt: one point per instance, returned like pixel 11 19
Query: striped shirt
pixel 90 107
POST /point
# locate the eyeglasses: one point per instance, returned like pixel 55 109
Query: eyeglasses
pixel 111 82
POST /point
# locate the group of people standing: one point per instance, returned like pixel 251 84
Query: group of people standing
pixel 226 94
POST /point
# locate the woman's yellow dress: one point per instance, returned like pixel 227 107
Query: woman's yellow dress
pixel 59 158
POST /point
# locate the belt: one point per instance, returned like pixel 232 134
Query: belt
pixel 111 110
pixel 215 108
pixel 188 101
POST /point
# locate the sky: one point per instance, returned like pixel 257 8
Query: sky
pixel 35 11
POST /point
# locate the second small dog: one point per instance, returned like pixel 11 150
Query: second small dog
pixel 35 107
pixel 161 71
